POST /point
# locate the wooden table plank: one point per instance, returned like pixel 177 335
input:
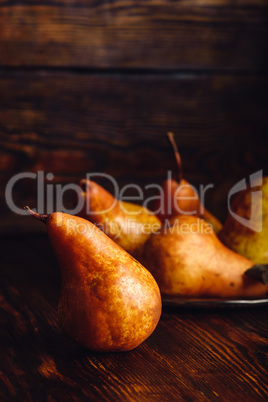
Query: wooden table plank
pixel 60 119
pixel 194 355
pixel 72 124
pixel 150 34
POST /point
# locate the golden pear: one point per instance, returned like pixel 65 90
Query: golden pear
pixel 179 197
pixel 189 261
pixel 249 236
pixel 127 224
pixel 108 300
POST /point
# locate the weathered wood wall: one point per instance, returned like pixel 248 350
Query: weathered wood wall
pixel 94 86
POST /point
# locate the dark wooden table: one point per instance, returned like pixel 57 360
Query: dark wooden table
pixel 193 355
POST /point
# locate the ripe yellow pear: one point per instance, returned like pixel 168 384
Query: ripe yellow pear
pixel 188 260
pixel 127 224
pixel 108 300
pixel 250 241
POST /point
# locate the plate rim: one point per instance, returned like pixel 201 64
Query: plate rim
pixel 176 302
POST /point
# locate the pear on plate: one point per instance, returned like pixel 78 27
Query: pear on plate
pixel 108 300
pixel 246 228
pixel 189 261
pixel 179 197
pixel 127 224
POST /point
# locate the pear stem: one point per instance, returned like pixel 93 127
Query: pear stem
pixel 259 272
pixel 40 217
pixel 177 155
pixel 84 184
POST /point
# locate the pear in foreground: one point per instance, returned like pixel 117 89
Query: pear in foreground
pixel 127 224
pixel 179 197
pixel 108 300
pixel 188 260
pixel 249 242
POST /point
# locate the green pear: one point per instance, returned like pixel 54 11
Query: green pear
pixel 248 236
pixel 189 261
pixel 127 224
pixel 108 300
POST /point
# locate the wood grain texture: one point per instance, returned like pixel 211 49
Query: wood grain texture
pixel 126 34
pixel 71 124
pixel 194 355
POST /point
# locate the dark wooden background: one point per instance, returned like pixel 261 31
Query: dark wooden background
pixel 90 86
